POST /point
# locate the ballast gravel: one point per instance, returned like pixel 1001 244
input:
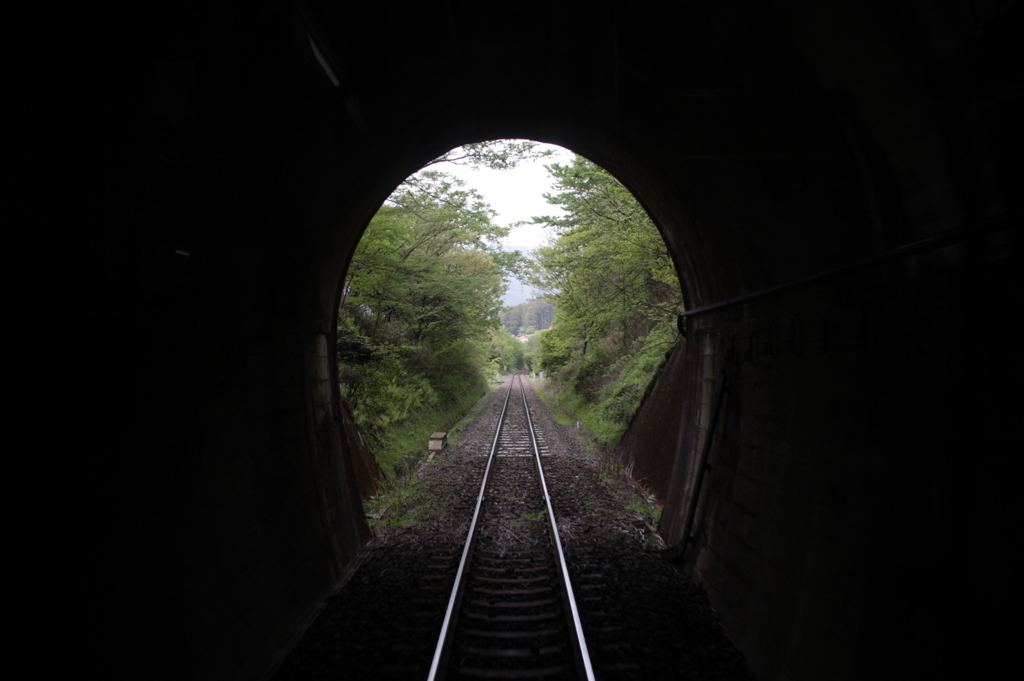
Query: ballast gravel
pixel 642 617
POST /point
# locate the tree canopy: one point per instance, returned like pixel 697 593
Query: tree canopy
pixel 495 154
pixel 614 287
pixel 421 300
pixel 525 318
pixel 418 323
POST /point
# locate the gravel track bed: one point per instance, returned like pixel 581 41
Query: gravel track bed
pixel 642 618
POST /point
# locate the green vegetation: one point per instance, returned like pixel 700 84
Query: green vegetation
pixel 650 514
pixel 403 505
pixel 616 297
pixel 418 329
pixel 556 411
pixel 419 338
pixel 529 317
pixel 400 447
pixel 506 353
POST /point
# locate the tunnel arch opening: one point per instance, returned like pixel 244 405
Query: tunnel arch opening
pixel 724 249
pixel 739 183
pixel 437 207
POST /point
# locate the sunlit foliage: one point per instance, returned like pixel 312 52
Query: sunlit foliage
pixel 419 307
pixel 615 291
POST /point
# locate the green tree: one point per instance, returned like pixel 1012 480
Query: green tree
pixel 614 287
pixel 506 352
pixel 533 315
pixel 421 299
pixel 495 154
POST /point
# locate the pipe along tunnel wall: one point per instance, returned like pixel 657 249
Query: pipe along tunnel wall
pixel 217 179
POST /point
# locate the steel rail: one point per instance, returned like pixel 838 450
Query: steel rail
pixel 584 653
pixel 457 588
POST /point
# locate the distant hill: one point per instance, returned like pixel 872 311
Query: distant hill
pixel 528 317
pixel 518 293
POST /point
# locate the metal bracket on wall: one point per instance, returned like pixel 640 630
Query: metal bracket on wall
pixel 676 553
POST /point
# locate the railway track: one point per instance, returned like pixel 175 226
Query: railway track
pixel 511 612
pixel 643 619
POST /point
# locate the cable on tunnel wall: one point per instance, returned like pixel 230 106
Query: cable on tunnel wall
pixel 946 238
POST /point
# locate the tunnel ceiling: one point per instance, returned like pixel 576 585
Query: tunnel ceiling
pixel 720 120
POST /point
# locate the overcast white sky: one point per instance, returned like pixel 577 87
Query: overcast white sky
pixel 517 194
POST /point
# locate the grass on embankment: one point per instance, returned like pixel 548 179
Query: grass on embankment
pixel 404 446
pixel 570 409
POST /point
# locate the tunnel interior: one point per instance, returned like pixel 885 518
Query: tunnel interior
pixel 846 177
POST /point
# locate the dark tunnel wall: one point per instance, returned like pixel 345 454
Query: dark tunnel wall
pixel 224 181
